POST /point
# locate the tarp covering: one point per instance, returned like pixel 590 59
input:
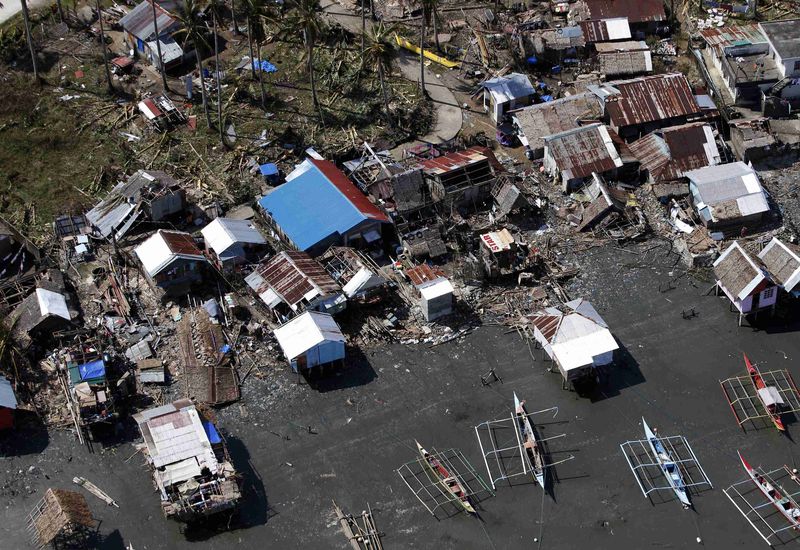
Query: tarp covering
pixel 264 65
pixel 96 370
pixel 269 169
pixel 211 432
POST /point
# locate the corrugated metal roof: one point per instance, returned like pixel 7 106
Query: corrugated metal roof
pixel 733 35
pixel 317 204
pixel 224 233
pixel 139 21
pixel 293 276
pixel 176 436
pixel 667 154
pixel 454 160
pixel 170 50
pixel 637 11
pixel 423 273
pixel 606 29
pixel 580 152
pixel 52 303
pixel 546 119
pixel 307 331
pixel 647 99
pixel 508 87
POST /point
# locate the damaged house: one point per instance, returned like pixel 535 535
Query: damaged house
pixel 148 195
pixel 612 29
pixel 46 310
pixel 782 261
pixel 727 196
pixel 230 243
pixel 310 340
pixel 643 16
pixel 18 255
pixel 433 290
pixel 189 459
pixel 641 105
pixel 291 282
pixel 359 277
pixel 576 338
pixel 745 280
pixel 666 154
pixel 171 260
pixel 623 58
pixel 461 178
pixel 139 31
pixel 572 157
pixel 506 93
pixel 502 254
pixel 320 207
pixel 537 122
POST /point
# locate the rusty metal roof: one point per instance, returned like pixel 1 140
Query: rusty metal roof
pixel 547 325
pixel 581 151
pixel 606 29
pixel 734 35
pixel 647 99
pixel 637 11
pixel 423 273
pixel 180 243
pixel 669 153
pixel 292 275
pixel 457 160
pixel 545 119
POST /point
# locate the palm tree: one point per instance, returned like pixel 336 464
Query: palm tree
pixel 161 67
pixel 103 46
pixel 379 54
pixel 26 18
pixel 255 12
pixel 306 19
pixel 430 11
pixel 189 17
pixel 215 9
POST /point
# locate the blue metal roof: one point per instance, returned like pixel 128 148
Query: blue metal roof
pixel 310 208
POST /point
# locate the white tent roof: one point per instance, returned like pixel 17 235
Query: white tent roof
pixel 7 397
pixel 52 303
pixel 307 331
pixel 223 233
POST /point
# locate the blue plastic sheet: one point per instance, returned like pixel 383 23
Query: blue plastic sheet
pixel 93 370
pixel 546 98
pixel 268 169
pixel 264 65
pixel 533 60
pixel 211 432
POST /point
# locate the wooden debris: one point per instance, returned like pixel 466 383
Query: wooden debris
pixel 95 490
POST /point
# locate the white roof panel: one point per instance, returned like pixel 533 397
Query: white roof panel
pixel 223 233
pixel 436 288
pixel 52 303
pixel 581 351
pixel 307 331
pixel 618 28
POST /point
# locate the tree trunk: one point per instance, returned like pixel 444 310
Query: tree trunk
pixel 363 27
pixel 61 11
pixel 233 18
pixel 103 46
pixel 219 85
pixel 202 86
pixel 250 45
pixel 311 76
pixel 422 56
pixel 383 92
pixel 26 18
pixel 161 67
pixel 261 79
pixel 435 19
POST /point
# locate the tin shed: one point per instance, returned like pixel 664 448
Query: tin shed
pixel 311 340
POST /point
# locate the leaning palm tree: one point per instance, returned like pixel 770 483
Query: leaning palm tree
pixel 378 55
pixel 255 13
pixel 306 18
pixel 193 30
pixel 29 36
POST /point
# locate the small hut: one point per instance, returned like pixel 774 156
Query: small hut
pixel 60 517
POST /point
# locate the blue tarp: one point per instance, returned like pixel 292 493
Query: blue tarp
pixel 93 370
pixel 211 432
pixel 546 98
pixel 310 209
pixel 265 66
pixel 533 60
pixel 268 169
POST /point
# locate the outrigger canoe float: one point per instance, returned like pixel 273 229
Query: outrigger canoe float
pixel 768 400
pixel 446 479
pixel 529 442
pixel 668 466
pixel 785 504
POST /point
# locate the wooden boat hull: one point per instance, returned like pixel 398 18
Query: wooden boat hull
pixel 753 476
pixel 442 476
pixel 529 442
pixel 758 382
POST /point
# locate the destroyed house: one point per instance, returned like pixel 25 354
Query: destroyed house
pixel 623 58
pixel 46 310
pixel 18 255
pixel 506 93
pixel 61 519
pixel 572 157
pixel 147 194
pixel 643 16
pixel 575 337
pixel 359 277
pixel 320 208
pixel 161 112
pixel 745 280
pixel 533 124
pixel 310 340
pixel 727 196
pixel 435 291
pixel 666 154
pixel 603 201
pixel 782 261
pixel 461 178
pixel 606 30
pixel 502 254
pixel 189 459
pixel 291 282
pixel 638 106
pixel 140 34
pixel 171 260
pixel 231 243
pixel 89 386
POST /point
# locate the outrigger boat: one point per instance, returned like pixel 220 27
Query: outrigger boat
pixel 447 480
pixel 529 442
pixel 785 504
pixel 668 466
pixel 768 396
